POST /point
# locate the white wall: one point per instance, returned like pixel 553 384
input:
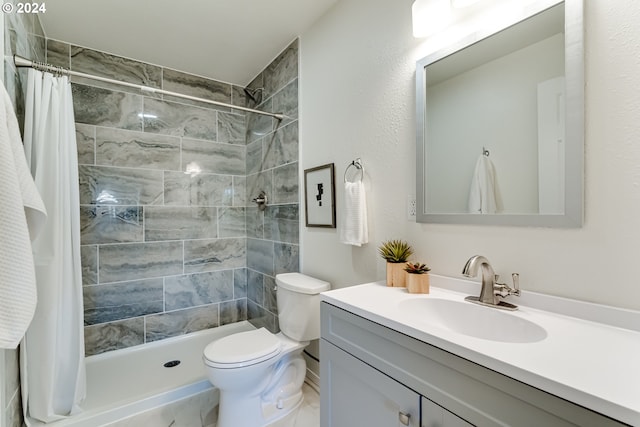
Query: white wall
pixel 357 100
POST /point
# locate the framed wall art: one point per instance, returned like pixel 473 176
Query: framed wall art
pixel 320 199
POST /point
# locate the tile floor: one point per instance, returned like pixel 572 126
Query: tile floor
pixel 308 415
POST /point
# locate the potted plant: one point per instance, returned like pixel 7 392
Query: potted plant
pixel 396 253
pixel 417 278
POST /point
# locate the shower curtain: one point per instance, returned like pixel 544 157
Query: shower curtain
pixel 52 352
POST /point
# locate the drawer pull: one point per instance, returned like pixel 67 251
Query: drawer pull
pixel 404 418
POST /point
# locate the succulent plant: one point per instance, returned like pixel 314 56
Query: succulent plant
pixel 416 268
pixel 395 251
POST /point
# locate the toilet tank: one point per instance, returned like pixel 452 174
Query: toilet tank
pixel 299 305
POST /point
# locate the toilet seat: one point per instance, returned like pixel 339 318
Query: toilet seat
pixel 242 349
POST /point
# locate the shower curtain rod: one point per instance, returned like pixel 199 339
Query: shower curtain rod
pixel 23 62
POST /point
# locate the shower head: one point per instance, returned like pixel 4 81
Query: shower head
pixel 254 94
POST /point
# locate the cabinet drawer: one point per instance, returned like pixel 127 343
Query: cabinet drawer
pixel 473 392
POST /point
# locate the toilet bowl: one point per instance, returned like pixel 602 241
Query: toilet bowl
pixel 260 374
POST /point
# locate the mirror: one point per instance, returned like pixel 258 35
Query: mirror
pixel 500 124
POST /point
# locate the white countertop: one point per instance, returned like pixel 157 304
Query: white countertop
pixel 590 363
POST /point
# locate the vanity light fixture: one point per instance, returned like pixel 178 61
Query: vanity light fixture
pixel 459 4
pixel 430 17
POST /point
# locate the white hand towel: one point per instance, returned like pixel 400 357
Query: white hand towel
pixel 22 214
pixel 354 229
pixel 483 196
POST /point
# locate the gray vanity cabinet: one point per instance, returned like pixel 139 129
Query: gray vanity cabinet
pixel 436 416
pixel 371 375
pixel 358 395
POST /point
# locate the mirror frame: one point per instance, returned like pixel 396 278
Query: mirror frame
pixel 574 128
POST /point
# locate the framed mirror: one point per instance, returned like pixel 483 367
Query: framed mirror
pixel 500 123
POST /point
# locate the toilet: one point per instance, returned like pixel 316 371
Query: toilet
pixel 260 374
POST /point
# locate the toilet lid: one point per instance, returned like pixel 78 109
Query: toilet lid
pixel 243 348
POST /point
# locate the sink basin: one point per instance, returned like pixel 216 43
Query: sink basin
pixel 473 320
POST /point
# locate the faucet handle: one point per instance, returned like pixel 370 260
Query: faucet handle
pixel 516 284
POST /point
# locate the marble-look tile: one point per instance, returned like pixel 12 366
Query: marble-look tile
pixel 86 142
pixel 180 322
pixel 238 96
pixel 259 125
pixel 270 298
pixel 27 45
pixel 103 107
pixel 38 25
pixel 281 223
pixel 285 184
pixel 113 67
pixel 200 87
pixel 256 87
pixel 254 156
pixel 240 283
pixel 110 224
pixel 232 128
pixel 113 336
pixel 106 303
pixel 193 290
pixel 255 287
pixel 255 222
pixel 232 222
pixel 89 261
pixel 179 223
pixel 233 311
pixel 307 415
pixel 132 261
pixel 262 181
pixel 206 156
pixel 260 256
pixel 198 189
pixel 116 147
pixel 171 118
pixel 282 70
pixel 18 22
pixel 199 410
pixel 261 318
pixel 282 148
pixel 287 258
pixel 58 53
pixel 122 186
pixel 285 101
pixel 239 191
pixel 214 254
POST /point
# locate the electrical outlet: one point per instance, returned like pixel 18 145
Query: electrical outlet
pixel 411 207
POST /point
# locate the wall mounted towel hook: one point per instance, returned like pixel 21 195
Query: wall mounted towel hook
pixel 357 163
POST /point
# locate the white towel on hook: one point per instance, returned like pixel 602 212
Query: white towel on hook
pixel 22 215
pixel 354 229
pixel 483 195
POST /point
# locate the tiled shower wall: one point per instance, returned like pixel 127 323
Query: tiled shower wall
pixel 272 167
pixel 171 243
pixel 23 36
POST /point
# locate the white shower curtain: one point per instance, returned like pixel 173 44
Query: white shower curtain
pixel 52 352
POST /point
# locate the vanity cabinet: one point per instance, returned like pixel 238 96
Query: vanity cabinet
pixel 373 375
pixel 358 394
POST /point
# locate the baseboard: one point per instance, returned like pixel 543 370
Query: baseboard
pixel 313 380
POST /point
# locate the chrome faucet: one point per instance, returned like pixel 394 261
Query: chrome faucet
pixel 492 291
